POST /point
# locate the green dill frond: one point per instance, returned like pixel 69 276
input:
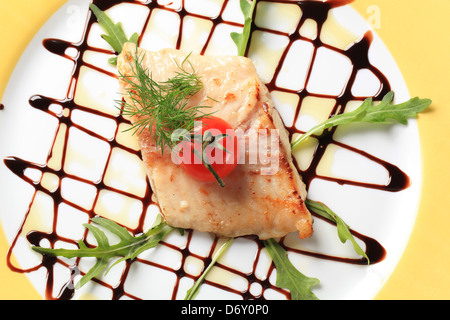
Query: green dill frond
pixel 161 107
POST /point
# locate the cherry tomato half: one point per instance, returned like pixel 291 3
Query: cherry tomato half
pixel 222 154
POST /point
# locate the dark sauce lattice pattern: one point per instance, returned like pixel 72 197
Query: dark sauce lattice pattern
pixel 253 283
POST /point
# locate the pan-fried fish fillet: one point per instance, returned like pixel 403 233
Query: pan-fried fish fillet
pixel 251 203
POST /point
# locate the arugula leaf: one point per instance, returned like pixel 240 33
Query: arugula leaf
pixel 128 248
pixel 288 276
pixel 193 291
pixel 115 35
pixel 343 229
pixel 384 112
pixel 241 39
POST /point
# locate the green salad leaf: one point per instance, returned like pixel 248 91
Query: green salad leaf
pixel 288 277
pixel 193 291
pixel 384 112
pixel 343 229
pixel 128 248
pixel 241 39
pixel 115 35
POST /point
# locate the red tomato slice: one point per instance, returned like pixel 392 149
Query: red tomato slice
pixel 222 162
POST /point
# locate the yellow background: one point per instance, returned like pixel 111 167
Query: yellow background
pixel 416 32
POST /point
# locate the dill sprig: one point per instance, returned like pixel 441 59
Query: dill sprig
pixel 161 107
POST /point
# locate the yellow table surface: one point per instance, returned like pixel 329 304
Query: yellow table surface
pixel 416 32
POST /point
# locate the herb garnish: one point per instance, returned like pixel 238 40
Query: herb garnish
pixel 288 276
pixel 241 39
pixel 115 35
pixel 193 291
pixel 128 248
pixel 384 112
pixel 343 229
pixel 160 107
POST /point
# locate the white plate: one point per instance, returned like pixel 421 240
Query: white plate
pixel 29 134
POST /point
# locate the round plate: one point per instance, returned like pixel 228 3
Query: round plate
pixel 101 172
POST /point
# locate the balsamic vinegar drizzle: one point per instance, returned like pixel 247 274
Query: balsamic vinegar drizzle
pixel 316 10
